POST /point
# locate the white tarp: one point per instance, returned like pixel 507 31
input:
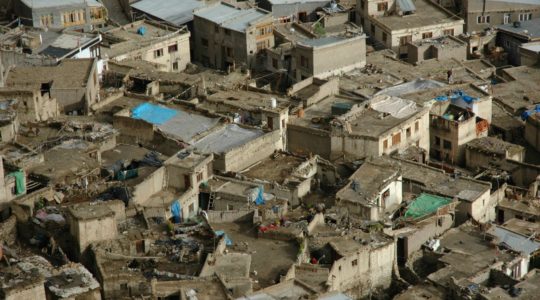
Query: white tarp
pixel 396 107
pixel 410 87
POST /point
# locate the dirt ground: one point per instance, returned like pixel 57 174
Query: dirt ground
pixel 270 258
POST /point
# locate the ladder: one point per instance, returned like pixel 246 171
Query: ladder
pixel 211 201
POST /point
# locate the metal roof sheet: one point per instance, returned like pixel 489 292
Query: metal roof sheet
pixel 406 5
pixel 514 241
pixel 230 17
pixel 176 12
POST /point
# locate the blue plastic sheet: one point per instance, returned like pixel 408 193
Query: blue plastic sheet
pixel 526 114
pixel 260 197
pixel 456 95
pixel 153 113
pixel 176 211
pixel 228 241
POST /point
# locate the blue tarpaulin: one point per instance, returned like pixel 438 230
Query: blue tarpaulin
pixel 228 241
pixel 152 113
pixel 260 197
pixel 526 114
pixel 456 95
pixel 176 211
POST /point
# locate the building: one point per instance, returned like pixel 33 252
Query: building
pixel 532 129
pixel 476 200
pixel 90 223
pixel 226 36
pixel 346 263
pixel 512 36
pixel 373 192
pixel 481 152
pixel 480 15
pixel 74 83
pixel 295 10
pixel 452 130
pixel 166 46
pixel 36 107
pixel 529 54
pixel 327 56
pixel 50 46
pixel 394 24
pixel 445 47
pixel 385 125
pixel 61 14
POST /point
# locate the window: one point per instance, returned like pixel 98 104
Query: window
pixel 384 37
pixel 304 61
pixel 124 286
pixel 265 30
pixel 230 207
pixel 385 144
pixel 354 262
pixel 204 42
pixel 427 35
pixel 404 40
pixel 383 6
pixel 46 20
pixel 173 48
pixel 227 32
pixel 437 141
pixel 372 29
pixel 199 177
pixel 175 66
pixel 506 18
pixel 261 45
pixel 229 52
pixel 448 31
pixel 482 19
pixel 525 16
pixel 96 13
pixel 416 126
pixel 447 144
pixel 274 63
pixel 396 139
pixel 362 4
pixel 216 28
pixel 408 132
pixel 158 53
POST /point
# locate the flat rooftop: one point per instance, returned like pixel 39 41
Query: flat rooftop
pixel 532 28
pixel 318 115
pixel 494 145
pixel 246 100
pixel 274 169
pixel 72 281
pixel 176 12
pixel 369 123
pixel 226 138
pixel 438 182
pixel 55 3
pixel 453 92
pixel 230 17
pixel 90 211
pixel 367 182
pixel 69 74
pixel 178 123
pixel 426 14
pixel 526 206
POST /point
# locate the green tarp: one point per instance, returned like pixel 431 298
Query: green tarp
pixel 424 205
pixel 20 185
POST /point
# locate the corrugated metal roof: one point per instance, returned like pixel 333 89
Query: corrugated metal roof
pixel 229 17
pixel 514 241
pixel 176 12
pixel 406 5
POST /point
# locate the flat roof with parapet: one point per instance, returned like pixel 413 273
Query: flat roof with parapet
pixel 427 14
pixel 275 169
pixel 247 100
pixel 177 123
pixel 368 181
pixel 318 115
pixel 176 12
pixel 448 92
pixel 90 211
pixel 187 159
pixel 230 17
pixel 529 30
pixel 527 206
pixel 69 74
pixel 494 145
pixel 383 116
pixel 438 182
pixel 72 280
pixel 226 138
pixel 425 204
